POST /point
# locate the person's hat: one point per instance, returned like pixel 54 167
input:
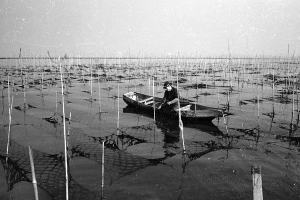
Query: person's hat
pixel 167 83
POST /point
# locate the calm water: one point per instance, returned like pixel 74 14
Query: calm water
pixel 144 159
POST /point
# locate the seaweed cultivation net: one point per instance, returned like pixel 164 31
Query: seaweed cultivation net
pixel 118 163
pixel 49 170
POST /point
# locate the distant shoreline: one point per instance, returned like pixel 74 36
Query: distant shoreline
pixel 159 58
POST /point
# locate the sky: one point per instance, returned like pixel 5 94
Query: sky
pixel 150 27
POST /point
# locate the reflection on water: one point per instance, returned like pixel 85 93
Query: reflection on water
pixel 262 129
pixel 118 163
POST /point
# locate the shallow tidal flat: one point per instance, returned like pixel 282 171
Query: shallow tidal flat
pixel 144 159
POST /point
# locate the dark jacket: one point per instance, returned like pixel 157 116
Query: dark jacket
pixel 170 95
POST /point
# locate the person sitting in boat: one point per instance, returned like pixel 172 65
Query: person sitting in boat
pixel 170 100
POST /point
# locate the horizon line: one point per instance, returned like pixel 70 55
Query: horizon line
pixel 153 57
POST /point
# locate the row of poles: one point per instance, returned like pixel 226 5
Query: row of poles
pixel 66 136
pixel 118 120
pixel 180 121
pixel 255 170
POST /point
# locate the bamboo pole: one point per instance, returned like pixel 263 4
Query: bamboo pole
pixel 228 99
pixel 257 183
pixel 297 86
pixel 68 136
pixel 225 122
pixel 293 107
pixel 10 104
pixel 273 101
pixel 153 101
pixel 91 98
pixel 42 84
pixel 149 86
pixel 102 182
pixel 99 91
pixel 21 67
pixel 134 75
pixel 197 96
pixel 258 106
pixel 218 97
pixel 288 67
pixel 34 69
pixel 65 137
pixel 9 127
pixel 34 183
pixel 8 90
pixel 179 112
pixel 118 120
pixel 23 81
pixel 205 75
pixel 56 101
pixel 13 85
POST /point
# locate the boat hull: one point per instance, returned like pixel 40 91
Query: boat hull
pixel 196 113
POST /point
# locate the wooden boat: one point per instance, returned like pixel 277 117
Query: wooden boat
pixel 190 111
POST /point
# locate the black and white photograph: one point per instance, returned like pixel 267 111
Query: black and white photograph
pixel 149 100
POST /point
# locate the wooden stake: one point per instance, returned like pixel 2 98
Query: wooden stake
pixel 257 183
pixel 34 183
